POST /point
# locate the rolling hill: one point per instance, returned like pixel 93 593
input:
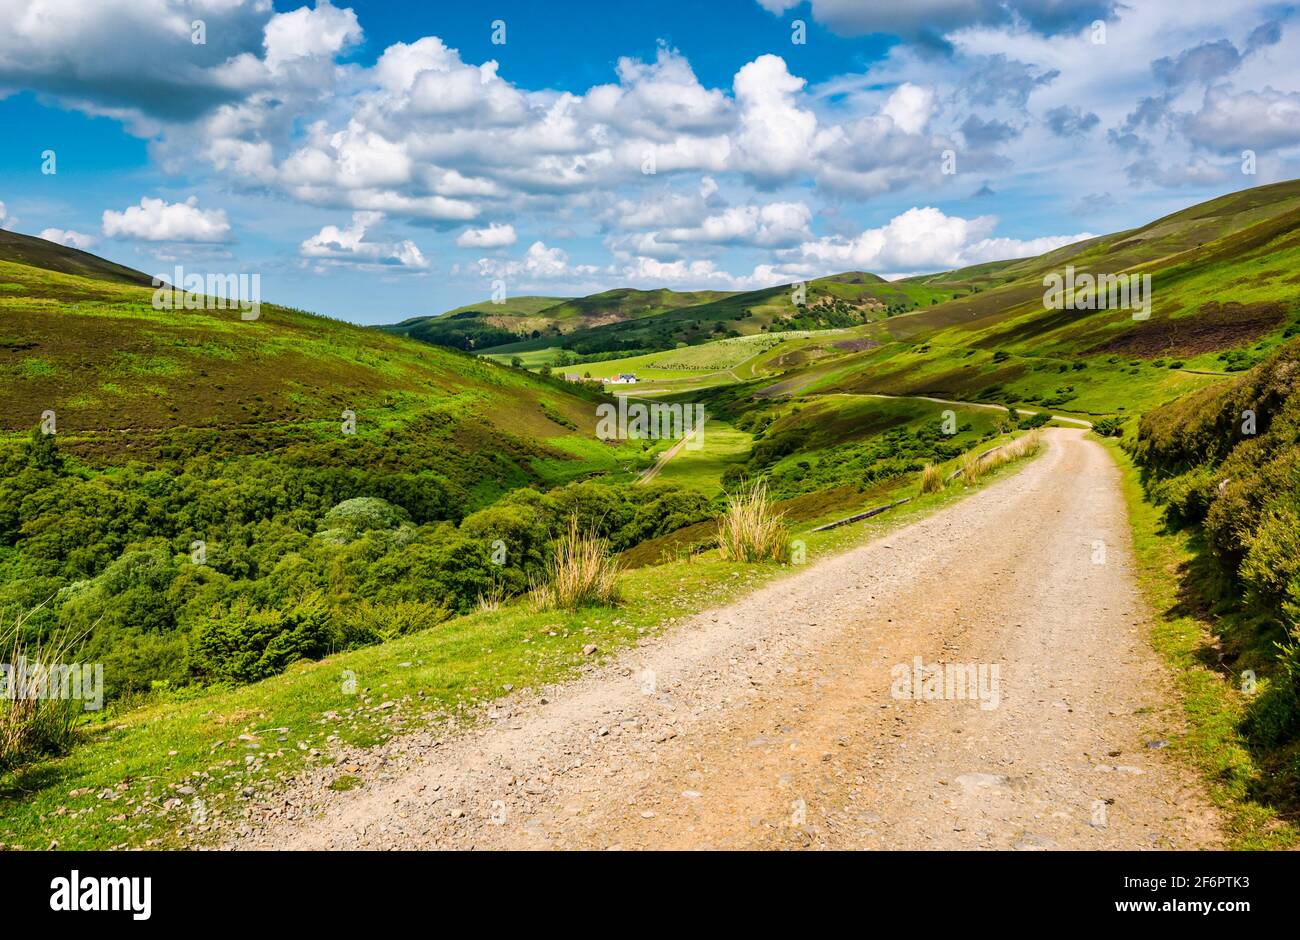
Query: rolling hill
pixel 626 320
pixel 51 256
pixel 125 379
pixel 1224 294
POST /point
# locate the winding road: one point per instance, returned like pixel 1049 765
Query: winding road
pixel 782 720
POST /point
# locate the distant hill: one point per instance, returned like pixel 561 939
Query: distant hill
pixel 626 320
pixel 51 256
pixel 486 325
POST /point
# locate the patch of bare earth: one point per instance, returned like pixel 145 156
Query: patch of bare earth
pixel 770 723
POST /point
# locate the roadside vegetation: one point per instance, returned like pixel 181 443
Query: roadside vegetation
pixel 140 768
pixel 1223 466
pixel 751 529
pixel 33 723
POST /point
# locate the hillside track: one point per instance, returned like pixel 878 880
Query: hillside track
pixel 771 722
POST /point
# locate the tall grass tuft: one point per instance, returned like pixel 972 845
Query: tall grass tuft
pixel 751 529
pixel 490 601
pixel 931 479
pixel 582 572
pixel 973 467
pixel 1024 446
pixel 30 726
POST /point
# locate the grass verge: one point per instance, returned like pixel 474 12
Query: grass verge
pixel 1212 701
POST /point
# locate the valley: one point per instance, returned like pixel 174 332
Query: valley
pixel 323 565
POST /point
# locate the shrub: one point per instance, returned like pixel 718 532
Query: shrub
pixel 364 623
pixel 582 572
pixel 363 513
pixel 33 723
pixel 244 644
pixel 1273 717
pixel 1109 427
pixel 750 529
pixel 1187 497
pixel 931 479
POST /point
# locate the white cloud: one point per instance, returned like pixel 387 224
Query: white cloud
pixel 776 139
pixel 924 239
pixel 69 237
pixel 155 220
pixel 306 33
pixel 1259 120
pixel 494 236
pixel 909 107
pixel 6 220
pixel 772 225
pixel 539 263
pixel 348 247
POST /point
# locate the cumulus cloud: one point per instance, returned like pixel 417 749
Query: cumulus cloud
pixel 924 238
pixel 539 263
pixel 349 247
pixel 155 220
pixel 7 221
pixel 1071 121
pixel 980 133
pixel 773 225
pixel 776 140
pixel 1203 63
pixel 88 53
pixel 69 237
pixel 494 236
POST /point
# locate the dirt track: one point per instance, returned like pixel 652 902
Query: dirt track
pixel 770 723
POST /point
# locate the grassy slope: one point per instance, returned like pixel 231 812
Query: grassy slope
pixel 124 378
pixel 1223 279
pixel 50 256
pixel 234 746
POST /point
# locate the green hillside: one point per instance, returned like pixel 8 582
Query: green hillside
pixel 1224 293
pixel 521 323
pixel 626 321
pixel 221 497
pixel 51 256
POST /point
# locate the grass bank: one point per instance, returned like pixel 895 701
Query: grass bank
pixel 1213 699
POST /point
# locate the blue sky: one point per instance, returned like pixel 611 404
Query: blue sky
pixel 378 160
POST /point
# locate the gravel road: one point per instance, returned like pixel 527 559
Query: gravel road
pixel 783 720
